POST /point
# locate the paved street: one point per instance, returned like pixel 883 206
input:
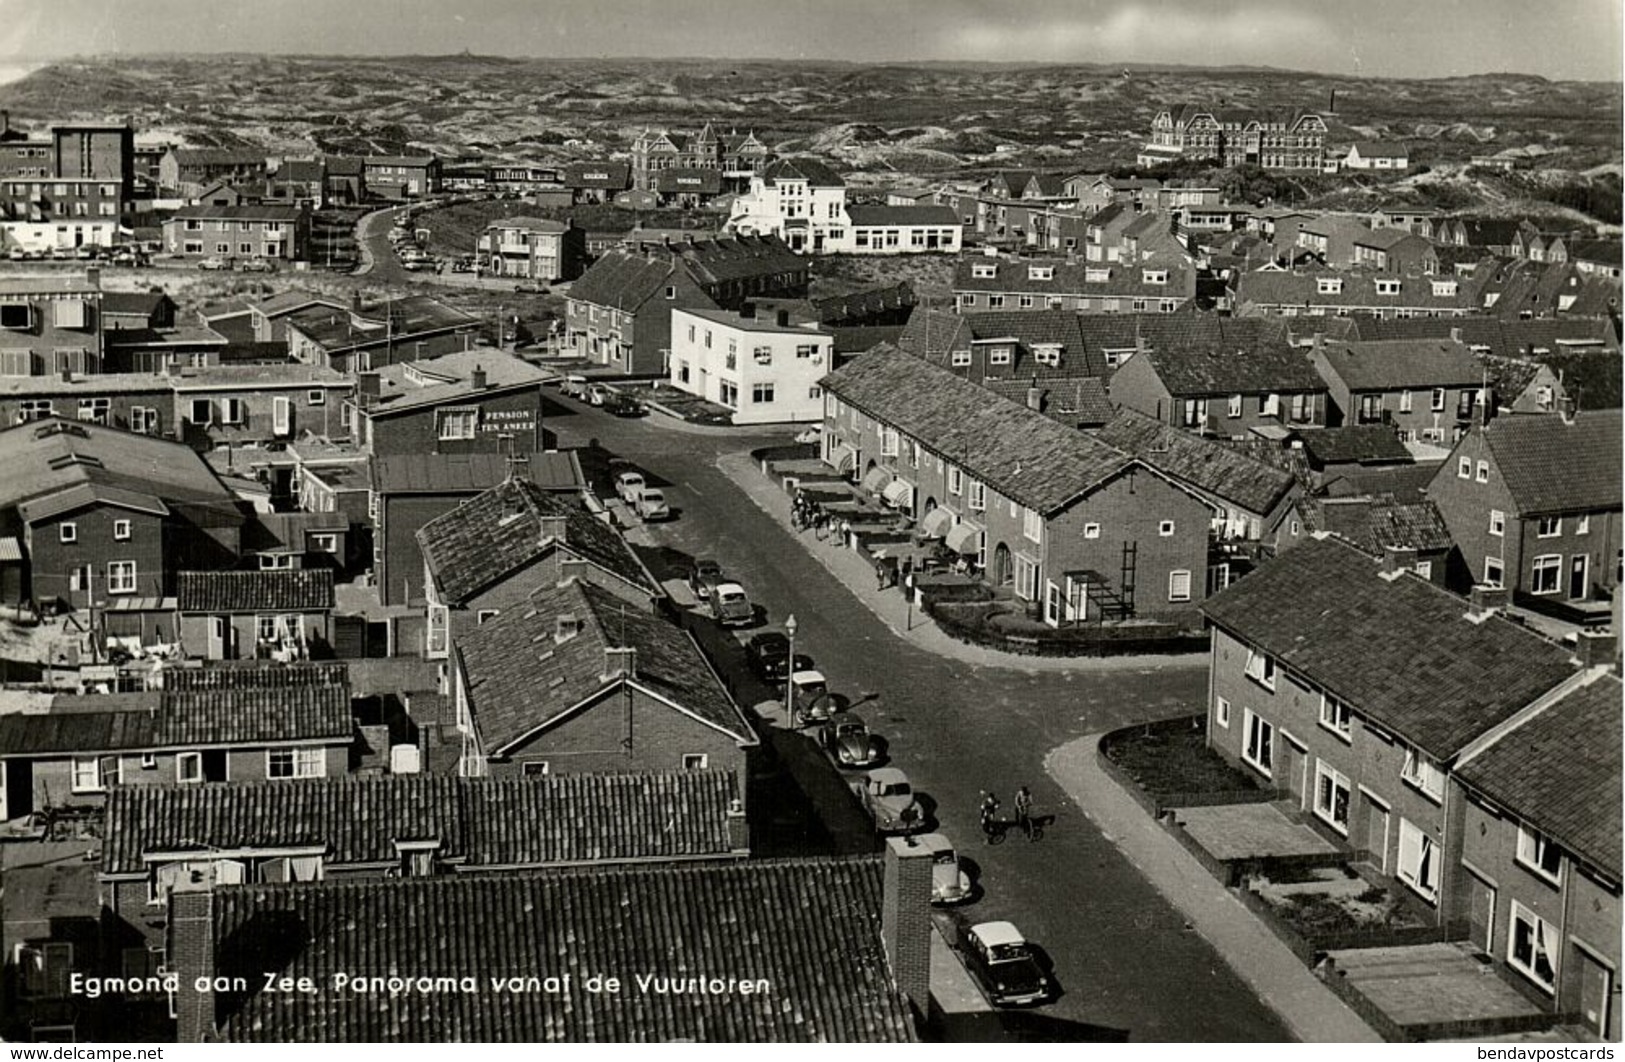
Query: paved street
pixel 1127 962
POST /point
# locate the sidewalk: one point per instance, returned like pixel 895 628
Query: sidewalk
pixel 1304 1003
pixel 890 607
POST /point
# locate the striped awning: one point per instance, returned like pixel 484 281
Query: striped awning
pixel 899 494
pixel 876 478
pixel 843 457
pixel 936 522
pixel 965 539
pixel 10 550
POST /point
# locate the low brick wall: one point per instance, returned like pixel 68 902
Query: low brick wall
pixel 1094 640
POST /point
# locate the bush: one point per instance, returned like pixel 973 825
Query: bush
pixel 991 624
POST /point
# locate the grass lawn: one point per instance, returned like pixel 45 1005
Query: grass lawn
pixel 1174 758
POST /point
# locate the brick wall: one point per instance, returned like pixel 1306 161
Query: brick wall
pixel 52 560
pixel 517 413
pixel 905 920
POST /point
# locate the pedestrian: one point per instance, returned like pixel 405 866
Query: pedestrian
pixel 846 531
pixel 880 573
pixel 1024 811
pixel 908 568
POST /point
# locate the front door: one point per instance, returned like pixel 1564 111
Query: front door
pixel 1596 991
pixel 1054 605
pixel 1481 914
pixel 16 789
pixel 218 628
pixel 1376 836
pixel 1579 570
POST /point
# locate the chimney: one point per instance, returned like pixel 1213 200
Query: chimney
pixel 1566 408
pixel 783 318
pixel 477 378
pixel 369 388
pixel 565 627
pixel 552 527
pixel 191 956
pixel 355 300
pixel 1455 334
pixel 1035 396
pixel 1397 559
pixel 905 919
pixel 1487 600
pixel 1597 649
pixel 570 567
pixel 747 310
pixel 619 662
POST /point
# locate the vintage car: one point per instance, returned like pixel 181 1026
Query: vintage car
pixel 811 701
pixel 889 799
pixel 703 578
pixel 650 504
pixel 1004 965
pixel 848 741
pixel 949 882
pixel 768 655
pixel 731 607
pixel 628 485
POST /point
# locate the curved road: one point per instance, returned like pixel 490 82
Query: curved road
pixel 1127 962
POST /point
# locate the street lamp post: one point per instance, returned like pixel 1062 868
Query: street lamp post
pixel 790 670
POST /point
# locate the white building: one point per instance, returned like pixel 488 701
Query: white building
pixel 1370 155
pixel 803 202
pixel 764 368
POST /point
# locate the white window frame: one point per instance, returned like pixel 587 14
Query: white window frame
pixel 1546 563
pixel 1421 878
pixel 1498 523
pixel 1258 742
pixel 696 761
pixel 1233 407
pixel 1260 667
pixel 1337 716
pixel 1091 531
pixel 960 358
pixel 976 496
pixel 1582 524
pixel 1500 567
pixel 535 768
pixel 232 411
pixel 1165 529
pixel 185 776
pixel 301 763
pixel 956 481
pixel 1221 712
pixel 1405 402
pixel 67 532
pixel 1483 472
pixel 1464 468
pixel 324 542
pixel 1327 813
pixel 1438 399
pixel 1179 585
pixel 451 424
pixel 1543 940
pixel 1549 527
pixel 1423 775
pixel 91 765
pixel 121 577
pixel 316 397
pixel 1032 525
pixel 121 530
pixel 1534 851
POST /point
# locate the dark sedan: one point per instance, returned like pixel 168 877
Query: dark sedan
pixel 768 654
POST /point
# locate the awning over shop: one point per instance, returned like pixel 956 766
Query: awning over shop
pixel 843 457
pixel 899 494
pixel 10 550
pixel 876 478
pixel 965 539
pixel 936 522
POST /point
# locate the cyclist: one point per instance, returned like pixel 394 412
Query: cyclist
pixel 1024 811
pixel 990 808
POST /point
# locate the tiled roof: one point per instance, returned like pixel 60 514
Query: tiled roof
pixel 810 927
pixel 47 456
pixel 521 678
pixel 483 822
pixel 1393 364
pixel 245 212
pixel 1504 337
pixel 1560 773
pixel 1362 443
pixel 868 214
pixel 1072 278
pixel 1016 451
pixel 410 385
pixel 1079 402
pixel 1378 522
pixel 613 176
pixel 1400 651
pixel 133 303
pixel 627 279
pixel 703 180
pixel 1274 287
pixel 935 334
pixel 1551 465
pixel 510 526
pixel 287 301
pixel 300 590
pixel 1195 354
pixel 555 470
pixel 865 303
pixel 801 168
pixel 218 157
pixel 1377 149
pixel 1208 466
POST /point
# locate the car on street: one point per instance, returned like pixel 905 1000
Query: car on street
pixel 731 607
pixel 1004 965
pixel 949 882
pixel 628 485
pixel 214 262
pixel 598 394
pixel 575 386
pixel 810 435
pixel 889 799
pixel 623 405
pixel 650 504
pixel 704 576
pixel 811 701
pixel 847 740
pixel 768 655
pixel 259 265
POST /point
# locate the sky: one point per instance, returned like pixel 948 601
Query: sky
pixel 1559 39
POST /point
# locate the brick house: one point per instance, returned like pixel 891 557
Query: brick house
pixel 236 725
pixel 619 311
pixel 1076 528
pixel 1375 525
pixel 401 176
pixel 409 490
pixel 1159 283
pixel 252 405
pixel 1276 140
pixel 50 325
pixel 534 248
pixel 1218 376
pixel 1541 852
pixel 1318 686
pixel 1429 390
pixel 1332 293
pixel 476 401
pixel 579 681
pixel 134 402
pixel 362 338
pixel 279 233
pixel 95 514
pixel 489 553
pixel 268 317
pixel 1533 503
pixel 273 614
pixel 596 181
pixel 187 171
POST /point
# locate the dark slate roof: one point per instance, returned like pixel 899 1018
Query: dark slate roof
pixel 1400 650
pixel 556 470
pixel 1408 482
pixel 1375 523
pixel 1503 337
pixel 689 179
pixel 509 527
pixel 1551 465
pixel 802 168
pixel 244 706
pixel 484 822
pixel 300 590
pixel 868 302
pixel 1195 357
pixel 871 214
pixel 1359 443
pixel 1271 287
pixel 1072 278
pixel 935 334
pixel 610 175
pixel 1560 773
pixel 46 457
pixel 1210 467
pixel 522 678
pixel 1080 402
pixel 1016 451
pixel 133 303
pixel 1393 364
pixel 626 279
pixel 811 927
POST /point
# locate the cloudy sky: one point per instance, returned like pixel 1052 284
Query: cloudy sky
pixel 1394 38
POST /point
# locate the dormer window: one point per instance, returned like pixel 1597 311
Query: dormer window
pixel 566 627
pixel 1154 276
pixel 1387 287
pixel 1097 276
pixel 961 358
pixel 1040 272
pixel 999 356
pixel 1047 354
pixel 1444 288
pixel 984 270
pixel 1329 285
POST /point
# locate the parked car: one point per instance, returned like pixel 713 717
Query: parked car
pixel 811 701
pixel 768 655
pixel 949 882
pixel 598 394
pixel 575 386
pixel 731 607
pixel 703 578
pixel 810 435
pixel 214 262
pixel 650 504
pixel 623 405
pixel 848 741
pixel 889 799
pixel 628 485
pixel 1004 966
pixel 259 265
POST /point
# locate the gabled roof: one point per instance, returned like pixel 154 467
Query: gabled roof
pixel 1551 465
pixel 1016 451
pixel 1269 287
pixel 49 456
pixel 801 168
pixel 876 214
pixel 1400 650
pixel 243 212
pixel 1378 149
pixel 555 471
pixel 935 334
pixel 865 303
pixel 810 927
pixel 509 527
pixel 613 176
pixel 1396 364
pixel 1073 278
pixel 522 678
pixel 1208 466
pixel 703 180
pixel 1377 522
pixel 1200 354
pixel 298 590
pixel 626 279
pixel 218 156
pixel 1560 773
pixel 133 303
pixel 1360 443
pixel 479 822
